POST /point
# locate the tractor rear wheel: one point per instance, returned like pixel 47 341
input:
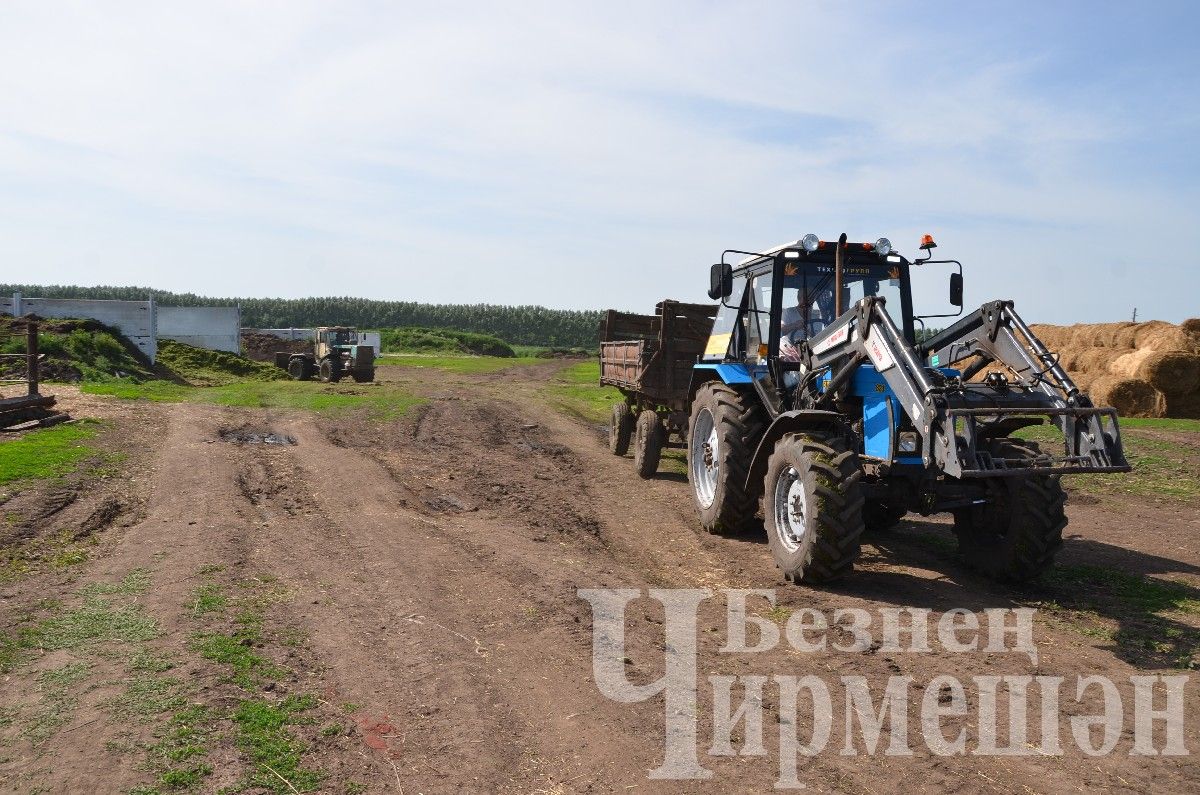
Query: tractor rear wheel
pixel 647 448
pixel 298 369
pixel 813 507
pixel 723 430
pixel 620 429
pixel 1016 534
pixel 363 376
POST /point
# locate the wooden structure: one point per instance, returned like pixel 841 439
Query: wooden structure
pixel 32 406
pixel 650 358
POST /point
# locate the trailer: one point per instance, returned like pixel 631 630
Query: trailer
pixel 649 358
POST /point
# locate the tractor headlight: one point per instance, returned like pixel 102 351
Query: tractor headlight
pixel 810 242
pixel 909 442
pixel 883 247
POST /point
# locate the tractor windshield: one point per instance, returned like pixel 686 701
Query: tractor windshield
pixel 808 296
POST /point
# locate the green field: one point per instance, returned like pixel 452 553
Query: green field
pixel 576 390
pixel 456 364
pixel 385 401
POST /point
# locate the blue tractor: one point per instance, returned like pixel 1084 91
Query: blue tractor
pixel 817 400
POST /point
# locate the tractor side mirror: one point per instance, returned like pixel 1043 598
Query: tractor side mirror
pixel 720 280
pixel 956 289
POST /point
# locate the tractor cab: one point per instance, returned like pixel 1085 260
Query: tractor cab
pixel 777 305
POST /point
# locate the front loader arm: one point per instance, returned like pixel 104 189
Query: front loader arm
pixel 956 419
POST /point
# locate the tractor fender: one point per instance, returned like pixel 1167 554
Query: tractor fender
pixel 785 423
pixel 732 373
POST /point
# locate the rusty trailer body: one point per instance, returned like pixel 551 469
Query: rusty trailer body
pixel 32 406
pixel 650 359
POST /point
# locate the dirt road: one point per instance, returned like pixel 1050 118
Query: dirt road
pixel 417 577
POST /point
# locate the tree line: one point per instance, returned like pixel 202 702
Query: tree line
pixel 521 325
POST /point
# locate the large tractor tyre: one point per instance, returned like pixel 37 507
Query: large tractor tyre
pixel 298 370
pixel 648 443
pixel 723 432
pixel 813 507
pixel 1015 535
pixel 879 516
pixel 363 376
pixel 329 373
pixel 620 429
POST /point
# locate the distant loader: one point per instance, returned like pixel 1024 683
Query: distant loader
pixel 336 353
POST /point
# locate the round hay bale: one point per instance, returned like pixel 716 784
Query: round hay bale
pixel 1171 372
pixel 1191 327
pixel 1098 360
pixel 1184 407
pixel 1131 397
pixel 1083 335
pixel 1116 335
pixel 1051 336
pixel 1161 336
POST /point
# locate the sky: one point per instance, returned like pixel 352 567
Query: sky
pixel 594 155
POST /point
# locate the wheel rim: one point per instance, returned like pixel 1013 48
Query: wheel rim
pixel 706 458
pixel 790 506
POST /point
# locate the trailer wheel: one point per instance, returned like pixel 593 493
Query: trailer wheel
pixel 620 428
pixel 298 369
pixel 648 445
pixel 723 430
pixel 363 376
pixel 813 507
pixel 1015 536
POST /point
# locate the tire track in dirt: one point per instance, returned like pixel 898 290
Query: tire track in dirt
pixel 453 639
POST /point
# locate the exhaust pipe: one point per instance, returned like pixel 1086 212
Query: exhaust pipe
pixel 837 277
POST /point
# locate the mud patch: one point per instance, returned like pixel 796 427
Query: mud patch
pixel 245 435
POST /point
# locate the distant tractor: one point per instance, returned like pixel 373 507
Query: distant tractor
pixel 336 353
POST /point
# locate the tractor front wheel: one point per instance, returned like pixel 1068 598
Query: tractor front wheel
pixel 363 376
pixel 329 373
pixel 1016 533
pixel 648 446
pixel 620 429
pixel 813 507
pixel 723 430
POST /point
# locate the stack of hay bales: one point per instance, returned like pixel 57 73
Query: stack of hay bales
pixel 1142 369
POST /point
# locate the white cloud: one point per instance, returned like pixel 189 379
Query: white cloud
pixel 543 152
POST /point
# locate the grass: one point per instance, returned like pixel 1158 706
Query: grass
pixel 262 734
pixel 236 652
pixel 45 453
pixel 147 695
pixel 80 349
pixel 208 599
pixel 384 401
pixel 58 701
pixel 1164 424
pixel 576 390
pixel 95 621
pixel 456 364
